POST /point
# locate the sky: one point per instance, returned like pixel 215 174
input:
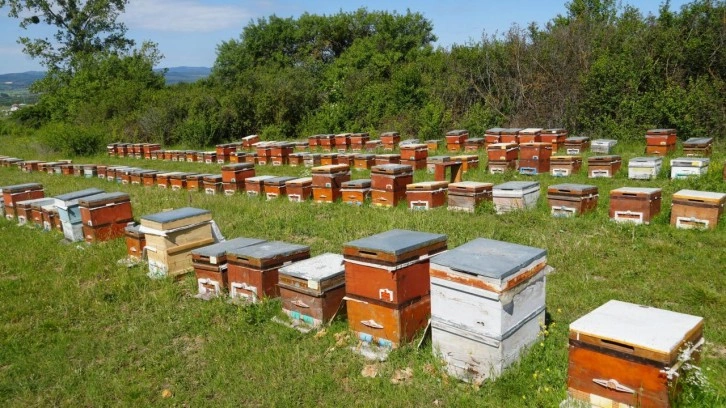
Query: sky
pixel 188 31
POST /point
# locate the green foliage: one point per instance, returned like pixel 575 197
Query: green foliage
pixel 73 140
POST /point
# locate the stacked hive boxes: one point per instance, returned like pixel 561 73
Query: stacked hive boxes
pixel 312 290
pixel 627 355
pixel 356 192
pixel 210 265
pixel 531 135
pixel 213 184
pixel 387 284
pixel 252 270
pixel 568 200
pixel 342 141
pixel 455 139
pixel 563 166
pixel 697 209
pixel 255 186
pixel 555 136
pixel 487 305
pixel 20 192
pixel 172 235
pixel 492 136
pixel 634 204
pixel 502 157
pixel 509 135
pixel 280 153
pixel 24 209
pixel 104 216
pixel 390 140
pixel 603 166
pixel 534 157
pixel 466 195
pixel 69 212
pixel 414 154
pixel 358 141
pixel 234 176
pixel 698 146
pixel 515 195
pixel 327 182
pixel 388 184
pixel 660 142
pixel 299 189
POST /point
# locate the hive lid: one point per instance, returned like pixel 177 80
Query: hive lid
pixel 457 132
pixel 317 268
pixel 511 131
pixel 301 181
pixel 609 142
pixel 554 130
pixel 331 168
pixel 572 188
pixel 470 184
pixel 438 158
pixel 704 196
pixel 690 162
pixel 565 158
pixel 77 194
pixel 268 250
pixel 220 249
pixel 494 131
pixel 606 158
pixel 365 156
pixel 427 185
pixel 660 131
pixel 414 145
pixel 258 179
pixel 392 168
pixel 358 183
pixel 645 161
pixel 36 202
pixel 577 139
pixel 238 166
pixel 636 190
pixel 530 131
pixel 635 325
pixel 97 199
pixel 396 242
pixel 489 258
pixel 19 188
pixel 277 181
pixel 517 185
pixel 180 217
pixel 698 141
pixel 501 146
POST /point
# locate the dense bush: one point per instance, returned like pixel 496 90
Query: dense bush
pixel 73 140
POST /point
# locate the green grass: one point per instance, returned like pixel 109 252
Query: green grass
pixel 77 329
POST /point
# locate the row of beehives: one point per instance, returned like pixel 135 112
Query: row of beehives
pixel 391 184
pixel 485 299
pixel 658 142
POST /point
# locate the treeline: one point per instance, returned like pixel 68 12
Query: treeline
pixel 600 70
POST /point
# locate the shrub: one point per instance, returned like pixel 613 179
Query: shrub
pixel 72 140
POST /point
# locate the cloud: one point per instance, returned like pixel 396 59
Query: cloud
pixel 184 16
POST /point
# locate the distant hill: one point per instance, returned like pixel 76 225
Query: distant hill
pixel 22 80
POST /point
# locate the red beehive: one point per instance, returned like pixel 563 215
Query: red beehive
pixel 20 192
pixel 248 141
pixel 509 135
pixel 234 176
pixel 327 142
pixel 388 159
pixel 300 189
pixel 358 141
pixel 389 140
pixel 633 204
pixel 104 216
pixel 426 194
pixel 603 166
pixel 530 135
pixel 255 186
pixel 213 184
pixel 342 141
pixel 502 151
pixel 562 166
pixel 414 152
pixel 327 181
pixel 276 187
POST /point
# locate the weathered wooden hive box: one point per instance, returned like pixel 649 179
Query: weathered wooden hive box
pixel 276 187
pixel 148 178
pixel 163 180
pixel 36 211
pixel 426 194
pixel 326 142
pixel 178 181
pixel 101 171
pixel 501 166
pixel 327 182
pixel 79 168
pixel 387 284
pixel 30 166
pixel 300 189
pixel 67 170
pixel 686 167
pixel 432 160
pixel 172 235
pixel 389 140
pixel 432 144
pixel 364 161
pixel 111 149
pixel 603 146
pixel 644 168
pixel 280 153
pixel 297 159
pixel 20 192
pixel 697 209
pixel 255 186
pixel 329 158
pixel 358 141
pixel 569 200
pixel 577 144
pixel 137 176
pixel 414 152
pixel 535 151
pixel 248 141
pixel 300 145
pixel 342 141
pixel 195 182
pixel 312 159
pixel 388 184
pixel 502 151
pixel 213 184
pixel 135 241
pixel 531 135
pixel 24 210
pixel 467 195
pixel 515 195
pixel 51 219
pixel 468 161
pixel 251 158
pixel 487 305
pixel 314 141
pixel 455 139
pixel 225 150
pixel 149 149
pixel 388 158
pixel 603 166
pixel 90 171
pixel 510 135
pixel 210 265
pixel 264 153
pixel 253 270
pixel 347 159
pixel 356 191
pixel 124 174
pixel 627 355
pixel 533 167
pixel 660 141
pixel 555 136
pixel 104 216
pixel 234 176
pixel 237 157
pixel 698 146
pixel 209 157
pixel 635 204
pixel 191 156
pixel 474 144
pixel 563 166
pixel 492 135
pixel 312 290
pixel 48 167
pixel 69 212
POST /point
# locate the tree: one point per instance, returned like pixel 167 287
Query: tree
pixel 84 28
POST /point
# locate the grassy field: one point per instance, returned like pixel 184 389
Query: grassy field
pixel 77 329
